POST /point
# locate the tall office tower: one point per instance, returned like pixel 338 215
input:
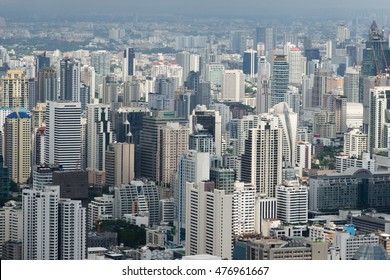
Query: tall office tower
pixel 47 85
pixel 355 143
pixel 267 36
pixel 338 105
pixel 292 202
pixel 85 96
pixel 148 143
pixel 195 62
pixel 263 97
pixel 203 96
pixel 192 81
pixel 183 58
pixel 70 80
pixel 249 65
pixel 280 77
pixel 185 103
pixel 172 140
pixel 376 55
pixel 100 61
pixel 351 84
pixel 128 63
pixel 40 223
pixel 303 151
pixel 288 122
pixel 243 208
pixel 32 92
pixel 72 233
pixel 110 92
pixel 202 141
pixel 43 175
pixel 209 220
pixel 84 139
pixel 88 77
pixel 297 66
pixel 5 184
pixel 239 41
pixel 265 208
pixel 100 135
pixel 223 178
pixel 201 118
pixel 214 74
pixel 119 164
pixel 131 92
pixel 239 130
pixel 226 114
pixel 312 54
pixel 324 124
pixel 293 99
pixel 11 229
pixel 14 86
pixel 41 60
pixel 261 162
pixel 193 167
pixel 73 184
pixel 164 98
pixel 343 34
pixel 17 136
pixel 233 86
pixel 320 86
pixel 98 208
pixel 379 106
pixel 63 134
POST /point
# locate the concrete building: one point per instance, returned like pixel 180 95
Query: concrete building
pixel 265 209
pixel 324 124
pixel 243 208
pixel 17 140
pixel 377 117
pixel 11 224
pixel 167 210
pixel 233 86
pixel 119 164
pixel 280 79
pixel 100 208
pixel 351 84
pixel 303 154
pixel 292 202
pixel 70 80
pixel 43 175
pixel 350 244
pixel 355 143
pixel 15 90
pixel 208 220
pixel 343 162
pixel 63 134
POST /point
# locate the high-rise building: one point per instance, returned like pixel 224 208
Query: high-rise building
pixel 17 136
pixel 40 223
pixel 351 84
pixel 63 134
pixel 263 97
pixel 148 143
pixel 131 92
pixel 183 58
pixel 99 136
pixel 355 143
pixel 5 184
pixel 249 65
pixel 265 209
pixel 100 61
pixel 303 153
pixel 41 61
pixel 320 86
pixel 379 104
pixel 292 202
pixel 99 208
pixel 223 178
pixel 119 164
pixel 72 232
pixel 266 35
pixel 209 218
pixel 233 86
pixel 243 208
pixel 193 167
pixel 11 225
pixel 324 124
pixel 43 175
pixel 214 74
pixel 172 140
pixel 47 85
pixel 70 80
pixel 280 78
pixel 128 64
pixel 297 65
pixel 261 163
pixel 15 90
pixel 343 34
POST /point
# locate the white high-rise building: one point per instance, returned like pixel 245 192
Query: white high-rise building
pixel 377 117
pixel 303 151
pixel 193 167
pixel 11 224
pixel 351 84
pixel 100 135
pixel 233 86
pixel 292 202
pixel 343 33
pixel 297 65
pixel 194 62
pixel 63 134
pixel 40 223
pixel 214 74
pixel 72 230
pixel 355 143
pixel 243 208
pixel 265 208
pixel 209 220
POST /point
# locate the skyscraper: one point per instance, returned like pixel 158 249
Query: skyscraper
pixel 233 86
pixel 119 164
pixel 280 78
pixel 63 134
pixel 70 80
pixel 15 90
pixel 249 65
pixel 4 179
pixel 351 84
pixel 320 86
pixel 261 162
pixel 100 135
pixel 17 136
pixel 379 104
pixel 47 85
pixel 266 35
pixel 100 61
pixel 128 64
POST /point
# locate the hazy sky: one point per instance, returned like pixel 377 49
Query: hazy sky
pixel 217 7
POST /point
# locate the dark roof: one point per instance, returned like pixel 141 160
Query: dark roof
pixel 374 26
